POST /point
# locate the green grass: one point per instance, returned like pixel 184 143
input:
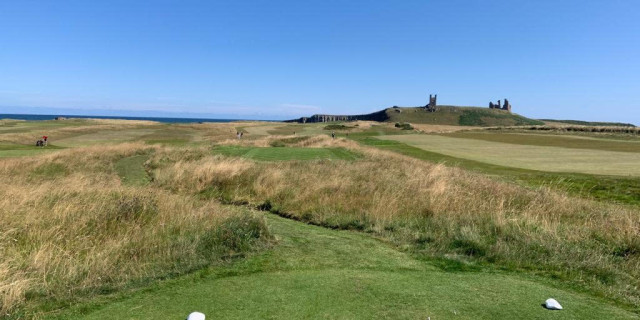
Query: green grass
pixel 21 150
pixel 105 137
pixel 169 135
pixel 131 170
pixel 286 153
pixel 550 140
pixel 374 131
pixel 465 116
pixel 319 273
pixel 12 126
pixel 286 129
pixel 604 188
pixel 485 117
pixel 542 158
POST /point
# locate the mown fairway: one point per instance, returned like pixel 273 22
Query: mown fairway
pixel 533 157
pixel 318 273
pixel 551 140
pixel 103 137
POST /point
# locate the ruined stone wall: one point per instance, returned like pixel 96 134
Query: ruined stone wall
pixel 376 116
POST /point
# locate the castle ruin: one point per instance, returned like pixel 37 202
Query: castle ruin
pixel 431 107
pixel 382 115
pixel 506 106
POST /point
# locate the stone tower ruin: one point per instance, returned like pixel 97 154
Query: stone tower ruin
pixel 431 107
pixel 506 106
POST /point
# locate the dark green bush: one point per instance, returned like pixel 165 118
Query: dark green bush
pixel 236 235
pixel 404 126
pixel 277 143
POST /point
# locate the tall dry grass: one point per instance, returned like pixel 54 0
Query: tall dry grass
pixel 70 230
pixel 433 209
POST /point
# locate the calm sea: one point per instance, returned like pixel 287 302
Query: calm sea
pixel 51 117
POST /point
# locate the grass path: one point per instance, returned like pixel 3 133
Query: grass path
pixel 314 272
pixel 131 170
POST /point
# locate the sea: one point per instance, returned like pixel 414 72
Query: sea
pixel 158 119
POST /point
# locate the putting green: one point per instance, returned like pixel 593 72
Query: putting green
pixel 286 153
pixel 543 158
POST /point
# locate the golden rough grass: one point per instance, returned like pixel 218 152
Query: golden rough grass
pixel 318 141
pixel 455 212
pixel 70 230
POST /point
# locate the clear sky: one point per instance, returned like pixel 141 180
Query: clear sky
pixel 281 59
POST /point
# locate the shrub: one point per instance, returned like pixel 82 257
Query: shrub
pixel 236 235
pixel 404 125
pixel 277 143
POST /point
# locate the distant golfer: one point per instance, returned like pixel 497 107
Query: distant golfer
pixel 333 134
pixel 44 138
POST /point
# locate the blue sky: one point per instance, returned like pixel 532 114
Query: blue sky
pixel 281 59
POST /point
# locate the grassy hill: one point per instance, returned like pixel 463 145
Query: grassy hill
pixel 465 116
pixel 446 115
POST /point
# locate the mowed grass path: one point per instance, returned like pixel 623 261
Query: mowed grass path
pixel 314 272
pixel 543 158
pixel 286 153
pixel 131 170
